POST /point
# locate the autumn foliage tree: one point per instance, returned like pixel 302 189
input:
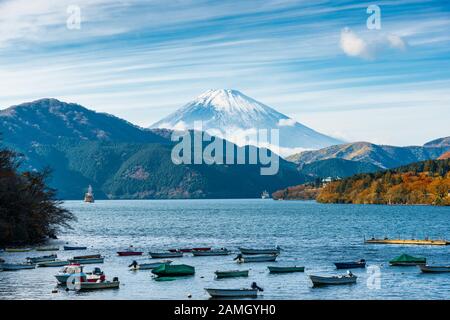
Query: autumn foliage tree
pixel 29 211
pixel 426 182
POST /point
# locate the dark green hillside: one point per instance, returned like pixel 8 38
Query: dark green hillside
pixel 337 168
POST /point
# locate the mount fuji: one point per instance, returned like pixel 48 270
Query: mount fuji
pixel 232 115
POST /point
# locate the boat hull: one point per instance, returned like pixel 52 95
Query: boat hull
pixel 53 264
pixel 230 293
pixel 210 253
pixel 434 269
pixel 17 267
pixel 129 253
pixel 89 286
pixel 160 255
pixel 325 281
pixel 408 242
pixel 249 259
pixel 168 270
pixel 231 274
pixel 349 265
pixel 42 259
pixel 70 248
pixel 12 250
pixel 248 251
pixel 285 269
pixel 149 266
pixel 87 261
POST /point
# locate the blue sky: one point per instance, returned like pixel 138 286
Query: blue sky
pixel 315 61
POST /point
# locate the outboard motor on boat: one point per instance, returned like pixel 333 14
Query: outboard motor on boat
pixel 255 286
pixel 134 264
pixel 115 279
pixel 239 256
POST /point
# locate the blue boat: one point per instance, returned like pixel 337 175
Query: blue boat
pixel 74 248
pixel 351 265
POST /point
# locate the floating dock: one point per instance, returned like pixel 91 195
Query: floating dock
pixel 427 242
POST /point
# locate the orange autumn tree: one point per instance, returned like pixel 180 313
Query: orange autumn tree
pixel 426 182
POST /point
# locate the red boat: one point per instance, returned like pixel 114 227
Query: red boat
pixel 129 253
pixel 184 250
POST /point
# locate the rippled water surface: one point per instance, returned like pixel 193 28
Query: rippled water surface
pixel 311 234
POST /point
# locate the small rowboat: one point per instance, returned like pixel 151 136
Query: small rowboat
pixel 47 249
pixel 88 260
pixel 74 248
pixel 17 266
pixel 162 255
pixel 407 260
pixel 230 293
pixel 251 292
pixel 285 269
pixel 99 285
pixel 351 265
pixel 219 252
pixel 17 249
pixel 231 274
pixel 148 266
pixel 90 256
pixel 260 251
pixel 56 263
pixel 262 258
pixel 129 253
pixel 187 250
pixel 51 257
pixel 169 270
pixel 333 280
pixel 434 269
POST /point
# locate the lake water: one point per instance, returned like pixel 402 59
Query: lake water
pixel 310 234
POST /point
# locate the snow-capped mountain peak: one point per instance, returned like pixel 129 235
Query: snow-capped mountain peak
pixel 226 111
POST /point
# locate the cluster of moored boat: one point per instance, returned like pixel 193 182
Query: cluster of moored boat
pixel 73 276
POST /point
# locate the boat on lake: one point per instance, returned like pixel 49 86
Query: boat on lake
pixel 249 251
pixel 134 266
pixel 351 265
pixel 89 195
pixel 17 250
pixel 87 260
pixel 17 266
pixel 407 260
pixel 265 195
pixel 47 249
pixel 273 269
pixel 99 285
pixel 67 248
pixel 128 253
pixel 251 292
pixel 56 263
pixel 217 252
pixel 434 269
pixel 261 258
pixel 162 255
pixel 170 270
pixel 231 274
pixel 428 242
pixel 51 257
pixel 333 280
pixel 188 250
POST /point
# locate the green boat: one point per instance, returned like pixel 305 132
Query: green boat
pixel 407 260
pixel 231 274
pixel 285 269
pixel 177 270
pixel 56 263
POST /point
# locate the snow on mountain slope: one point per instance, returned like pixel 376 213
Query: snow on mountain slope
pixel 236 117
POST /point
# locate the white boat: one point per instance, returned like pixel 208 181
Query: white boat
pixel 76 270
pixel 162 255
pixel 99 285
pixel 250 251
pixel 148 266
pixel 89 195
pixel 265 195
pixel 228 293
pixel 261 258
pixel 17 266
pixel 434 269
pixel 333 280
pixel 251 292
pixel 218 252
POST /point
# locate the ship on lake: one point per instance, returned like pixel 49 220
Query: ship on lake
pixel 89 195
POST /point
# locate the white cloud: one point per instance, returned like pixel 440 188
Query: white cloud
pixel 286 122
pixel 355 45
